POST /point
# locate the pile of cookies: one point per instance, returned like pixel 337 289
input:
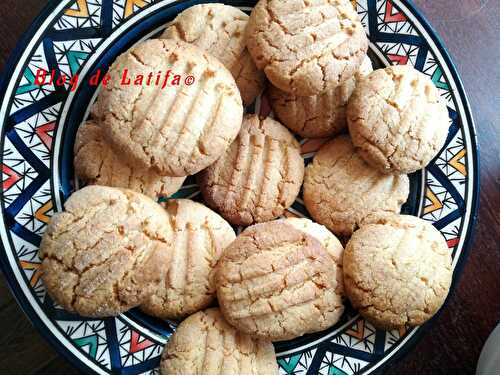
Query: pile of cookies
pixel 115 248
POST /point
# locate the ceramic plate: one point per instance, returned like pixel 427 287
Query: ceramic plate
pixel 38 129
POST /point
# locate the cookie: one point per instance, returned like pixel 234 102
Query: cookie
pixel 396 119
pixel 199 237
pixel 397 271
pixel 340 189
pixel 250 80
pixel 278 283
pixel 317 116
pixel 327 239
pixel 180 129
pixel 220 29
pixel 306 48
pixel 205 343
pixel 96 163
pixel 258 177
pixel 106 253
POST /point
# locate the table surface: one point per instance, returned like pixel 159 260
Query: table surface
pixel 471 31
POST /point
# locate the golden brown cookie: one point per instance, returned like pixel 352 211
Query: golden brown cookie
pixel 258 177
pixel 97 164
pixel 205 344
pixel 397 271
pixel 220 30
pixel 106 253
pixel 340 189
pixel 327 239
pixel 180 129
pixel 278 283
pixel 317 116
pixel 306 48
pixel 397 120
pixel 199 236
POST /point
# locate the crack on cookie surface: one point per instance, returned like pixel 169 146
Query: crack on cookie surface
pixel 199 236
pixel 258 177
pixel 139 124
pixel 289 71
pixel 74 239
pixel 219 348
pixel 415 280
pixel 405 125
pixel 273 275
pixel 340 190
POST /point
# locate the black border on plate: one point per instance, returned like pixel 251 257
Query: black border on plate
pixel 74 361
pixel 4 262
pixel 469 234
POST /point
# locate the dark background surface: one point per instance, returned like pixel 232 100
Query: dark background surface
pixel 471 32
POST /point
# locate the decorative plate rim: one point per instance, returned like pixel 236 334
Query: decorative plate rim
pixel 20 297
pixel 397 353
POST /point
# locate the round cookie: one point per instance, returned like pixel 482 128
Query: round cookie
pixel 340 189
pixel 205 343
pixel 180 129
pixel 199 237
pixel 96 163
pixel 278 283
pixel 396 119
pixel 306 48
pixel 327 239
pixel 106 253
pixel 317 116
pixel 397 271
pixel 258 177
pixel 220 30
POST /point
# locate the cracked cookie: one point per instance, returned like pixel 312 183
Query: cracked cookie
pixel 205 343
pixel 317 116
pixel 220 30
pixel 258 177
pixel 250 80
pixel 397 271
pixel 306 48
pixel 327 239
pixel 341 189
pixel 96 163
pixel 180 129
pixel 277 282
pixel 199 236
pixel 106 252
pixel 396 119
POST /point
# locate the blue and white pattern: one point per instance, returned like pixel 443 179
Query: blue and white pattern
pixel 38 126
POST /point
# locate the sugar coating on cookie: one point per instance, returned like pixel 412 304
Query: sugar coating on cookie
pixel 220 30
pixel 341 189
pixel 258 177
pixel 304 47
pixel 397 120
pixel 397 271
pixel 327 239
pixel 177 130
pixel 96 163
pixel 205 343
pixel 199 236
pixel 278 283
pixel 317 116
pixel 106 252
